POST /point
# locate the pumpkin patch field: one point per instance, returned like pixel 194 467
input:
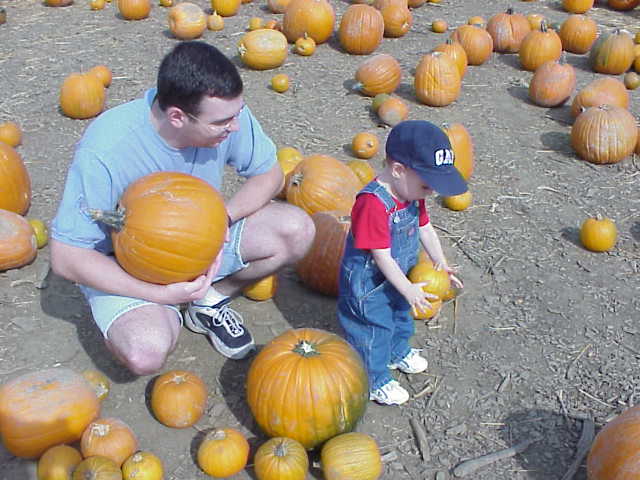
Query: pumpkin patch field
pixel 538 352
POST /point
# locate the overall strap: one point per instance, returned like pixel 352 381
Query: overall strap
pixel 379 191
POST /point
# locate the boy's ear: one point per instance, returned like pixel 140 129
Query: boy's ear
pixel 397 168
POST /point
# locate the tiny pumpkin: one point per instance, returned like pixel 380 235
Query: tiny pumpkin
pixel 280 82
pixel 97 4
pixel 598 234
pixel 305 46
pixel 225 8
pixel 280 458
pixel 10 133
pixel 41 232
pixel 215 22
pixel 459 202
pixel 263 289
pixel 439 26
pixel 108 437
pixel 178 398
pixel 142 466
pixel 255 23
pixel 631 80
pixel 223 452
pixel 99 382
pixel 364 145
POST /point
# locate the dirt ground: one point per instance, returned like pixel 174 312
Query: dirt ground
pixel 545 334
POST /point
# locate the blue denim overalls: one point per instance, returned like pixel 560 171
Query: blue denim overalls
pixel 374 315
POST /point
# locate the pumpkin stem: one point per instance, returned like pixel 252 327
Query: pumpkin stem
pixel 114 219
pixel 297 179
pixel 218 434
pixel 543 25
pixel 281 449
pixel 509 11
pixel 100 429
pixel 305 349
pixel 178 379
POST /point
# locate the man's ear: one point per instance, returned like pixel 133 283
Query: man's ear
pixel 177 118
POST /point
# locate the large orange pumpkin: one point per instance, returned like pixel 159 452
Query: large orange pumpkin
pixel 578 33
pixel 178 398
pixel 82 96
pixel 309 385
pixel 378 74
pixel 539 46
pixel 18 243
pixel 614 452
pixel 462 146
pixel 41 409
pixel 437 82
pixel 263 49
pixel 316 18
pixel 15 183
pixel 168 227
pixel 321 183
pixel 109 437
pixel 508 30
pixel 187 21
pixel 612 53
pixel 361 29
pixel 601 91
pixel 320 267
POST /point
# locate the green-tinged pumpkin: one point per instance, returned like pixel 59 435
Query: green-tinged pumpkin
pixel 15 183
pixel 281 458
pixel 58 463
pixel 612 53
pixel 351 456
pixel 45 408
pixel 168 227
pixel 97 468
pixel 309 385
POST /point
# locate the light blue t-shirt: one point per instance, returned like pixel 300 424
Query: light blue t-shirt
pixel 122 145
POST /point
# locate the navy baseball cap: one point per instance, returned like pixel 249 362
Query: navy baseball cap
pixel 425 148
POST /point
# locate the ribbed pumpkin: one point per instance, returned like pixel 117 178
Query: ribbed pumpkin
pixel 15 183
pixel 378 74
pixel 168 227
pixel 614 451
pixel 623 5
pixel 601 91
pixel 351 456
pixel 223 452
pixel 598 234
pixel 508 30
pixel 612 53
pixel 397 17
pixel 455 51
pixel 108 437
pixel 361 29
pixel 437 280
pixel 134 9
pixel 552 84
pixel 178 398
pixel 321 183
pixel 82 96
pixel 307 384
pixel 539 46
pixel 316 18
pixel 263 289
pixel 320 267
pixel 476 41
pixel 281 458
pixel 263 49
pixel 18 243
pixel 363 169
pixel 58 463
pixel 577 6
pixel 97 468
pixel 187 21
pixel 437 81
pixel 462 146
pixel 41 409
pixel 604 134
pixel 578 33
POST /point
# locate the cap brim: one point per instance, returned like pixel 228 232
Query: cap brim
pixel 447 182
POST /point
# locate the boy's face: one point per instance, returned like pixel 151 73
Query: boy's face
pixel 408 184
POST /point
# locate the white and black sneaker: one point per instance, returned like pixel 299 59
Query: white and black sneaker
pixel 223 326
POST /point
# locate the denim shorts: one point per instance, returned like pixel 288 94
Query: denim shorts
pixel 107 308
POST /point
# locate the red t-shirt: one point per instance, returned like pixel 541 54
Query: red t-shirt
pixel 370 221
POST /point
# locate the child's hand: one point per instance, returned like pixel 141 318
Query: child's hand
pixel 455 281
pixel 418 298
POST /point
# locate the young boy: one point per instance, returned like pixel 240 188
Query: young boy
pixel 388 223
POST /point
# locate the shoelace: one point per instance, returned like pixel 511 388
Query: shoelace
pixel 230 320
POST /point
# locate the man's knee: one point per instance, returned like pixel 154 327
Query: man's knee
pixel 145 360
pixel 299 231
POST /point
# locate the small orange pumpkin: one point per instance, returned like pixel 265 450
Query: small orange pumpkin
pixel 142 466
pixel 476 41
pixel 280 82
pixel 215 22
pixel 223 452
pixel 508 30
pixel 15 183
pixel 108 437
pixel 45 408
pixel 457 203
pixel 82 96
pixel 351 455
pixel 18 244
pixel 134 9
pixel 305 46
pixel 10 133
pixel 604 134
pixel 225 8
pixel 364 145
pixel 58 3
pixel 316 18
pixel 552 84
pixel 361 29
pixel 263 289
pixel 578 33
pixel 393 111
pixel 103 73
pixel 281 458
pixel 58 463
pixel 577 6
pixel 187 21
pixel 462 146
pixel 439 26
pixel 539 46
pixel 601 91
pixel 598 234
pixel 263 49
pixel 178 398
pixel 437 280
pixel 378 74
pixel 437 81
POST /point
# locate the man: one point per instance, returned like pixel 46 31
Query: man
pixel 195 122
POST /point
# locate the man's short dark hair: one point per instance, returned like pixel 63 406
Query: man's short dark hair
pixel 192 70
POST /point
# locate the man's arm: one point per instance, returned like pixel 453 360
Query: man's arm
pixel 255 193
pixel 96 270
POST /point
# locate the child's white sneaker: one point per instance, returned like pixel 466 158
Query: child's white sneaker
pixel 391 393
pixel 413 362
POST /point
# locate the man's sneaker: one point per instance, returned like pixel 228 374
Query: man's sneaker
pixel 413 362
pixel 391 393
pixel 223 326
